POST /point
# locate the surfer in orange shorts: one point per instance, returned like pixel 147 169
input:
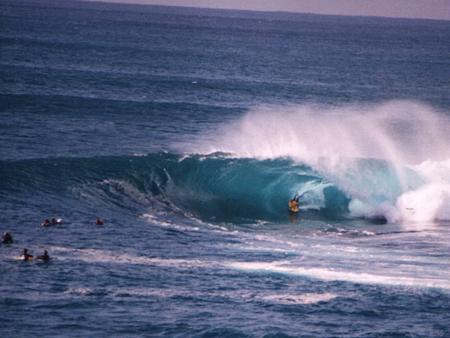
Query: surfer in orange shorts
pixel 293 204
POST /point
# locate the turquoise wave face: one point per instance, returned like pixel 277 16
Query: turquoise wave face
pixel 214 188
pixel 247 190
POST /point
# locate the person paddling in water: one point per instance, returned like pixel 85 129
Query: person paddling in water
pixel 45 257
pixel 7 238
pixel 26 256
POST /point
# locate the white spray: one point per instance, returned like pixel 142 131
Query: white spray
pixel 411 137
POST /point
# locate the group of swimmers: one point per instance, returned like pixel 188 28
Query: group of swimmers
pixel 45 257
pixel 58 221
pixel 25 256
pixel 53 221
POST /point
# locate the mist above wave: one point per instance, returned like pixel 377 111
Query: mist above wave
pixel 400 131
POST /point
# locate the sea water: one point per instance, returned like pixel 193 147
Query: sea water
pixel 187 131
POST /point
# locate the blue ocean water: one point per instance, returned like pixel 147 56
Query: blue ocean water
pixel 188 130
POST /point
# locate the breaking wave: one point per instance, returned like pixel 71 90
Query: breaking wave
pixel 217 188
pixel 389 163
pixel 391 160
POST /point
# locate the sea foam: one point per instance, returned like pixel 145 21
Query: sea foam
pixel 392 159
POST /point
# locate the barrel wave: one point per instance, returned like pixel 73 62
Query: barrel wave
pixel 390 159
pixel 217 188
pixel 214 188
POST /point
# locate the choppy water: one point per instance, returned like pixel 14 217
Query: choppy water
pixel 187 131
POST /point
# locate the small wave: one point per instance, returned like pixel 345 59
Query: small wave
pixel 159 220
pixel 295 299
pixel 287 298
pixel 346 232
pixel 81 291
pixel 105 256
pixel 341 275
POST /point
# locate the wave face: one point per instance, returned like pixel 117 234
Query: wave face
pixel 214 187
pixel 220 188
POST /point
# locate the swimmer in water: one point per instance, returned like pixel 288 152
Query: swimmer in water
pixel 56 221
pixel 45 257
pixel 46 223
pixel 7 238
pixel 26 256
pixel 99 221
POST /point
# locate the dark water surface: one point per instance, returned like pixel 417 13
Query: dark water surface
pixel 187 131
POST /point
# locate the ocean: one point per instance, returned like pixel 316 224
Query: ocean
pixel 187 131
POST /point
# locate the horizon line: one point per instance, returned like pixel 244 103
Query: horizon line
pixel 137 3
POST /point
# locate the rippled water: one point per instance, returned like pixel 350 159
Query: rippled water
pixel 187 131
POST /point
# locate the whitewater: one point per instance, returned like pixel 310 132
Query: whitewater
pixel 391 159
pixel 187 131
